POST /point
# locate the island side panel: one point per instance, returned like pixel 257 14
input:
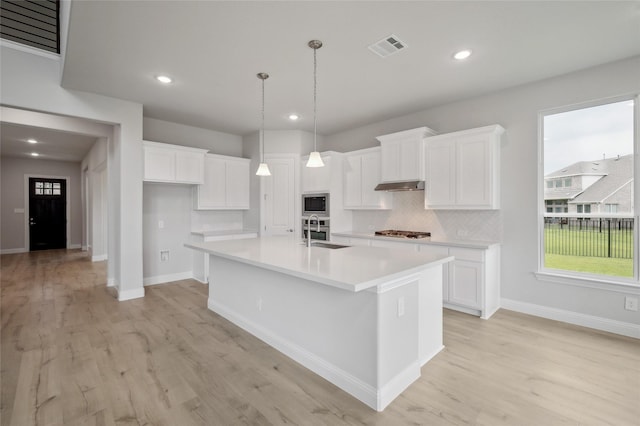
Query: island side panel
pixel 431 326
pixel 328 330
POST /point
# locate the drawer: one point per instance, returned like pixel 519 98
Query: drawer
pixel 435 250
pixel 467 254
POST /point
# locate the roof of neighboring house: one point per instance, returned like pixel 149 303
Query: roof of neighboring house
pixel 615 172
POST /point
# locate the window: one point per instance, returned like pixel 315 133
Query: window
pixel 47 188
pixel 584 208
pixel 583 235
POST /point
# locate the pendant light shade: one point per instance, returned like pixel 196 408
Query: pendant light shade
pixel 314 158
pixel 263 168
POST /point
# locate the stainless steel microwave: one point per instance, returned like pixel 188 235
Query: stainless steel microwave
pixel 315 204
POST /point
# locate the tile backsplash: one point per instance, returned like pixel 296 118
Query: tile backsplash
pixel 409 214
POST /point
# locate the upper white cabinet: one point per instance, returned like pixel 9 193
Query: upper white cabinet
pixel 173 163
pixel 463 169
pixel 226 184
pixel 403 154
pixel 316 179
pixel 361 175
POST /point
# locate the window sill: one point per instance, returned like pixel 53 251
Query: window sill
pixel 622 285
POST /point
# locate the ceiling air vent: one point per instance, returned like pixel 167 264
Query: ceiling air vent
pixel 387 46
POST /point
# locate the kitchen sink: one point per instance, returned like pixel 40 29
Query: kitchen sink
pixel 327 245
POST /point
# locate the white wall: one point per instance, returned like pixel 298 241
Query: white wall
pixel 172 204
pixel 12 196
pixel 95 195
pixel 32 82
pixel 179 134
pixel 517 111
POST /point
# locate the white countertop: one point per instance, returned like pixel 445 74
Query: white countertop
pixel 439 241
pixel 222 233
pixel 353 268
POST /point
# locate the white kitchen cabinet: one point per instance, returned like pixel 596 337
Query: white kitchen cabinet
pixel 316 179
pixel 226 184
pixel 403 154
pixel 173 163
pixel 463 169
pixel 361 174
pixel 472 281
pixel 201 260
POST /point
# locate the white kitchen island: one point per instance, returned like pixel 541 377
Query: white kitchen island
pixel 364 318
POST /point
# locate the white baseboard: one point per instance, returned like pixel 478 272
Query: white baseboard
pixel 85 248
pixel 111 282
pixel 99 258
pixel 160 279
pixel 598 323
pixel 13 250
pixel 366 393
pixel 130 294
pixel 74 246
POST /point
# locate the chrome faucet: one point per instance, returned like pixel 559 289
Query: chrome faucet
pixel 309 228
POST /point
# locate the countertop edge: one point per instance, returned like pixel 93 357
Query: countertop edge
pixel 450 243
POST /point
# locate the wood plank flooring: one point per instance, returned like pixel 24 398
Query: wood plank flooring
pixel 73 355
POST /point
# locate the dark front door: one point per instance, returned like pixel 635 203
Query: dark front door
pixel 47 213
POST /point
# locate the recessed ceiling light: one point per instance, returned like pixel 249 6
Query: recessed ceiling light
pixel 34 154
pixel 32 141
pixel 164 79
pixel 463 54
pixel 293 117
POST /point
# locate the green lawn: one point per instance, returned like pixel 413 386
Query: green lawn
pixel 593 265
pixel 593 249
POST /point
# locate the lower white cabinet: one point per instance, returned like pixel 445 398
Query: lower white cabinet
pixel 471 282
pixel 201 260
pixel 226 184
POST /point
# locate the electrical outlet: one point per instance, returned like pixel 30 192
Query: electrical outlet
pixel 631 303
pixel 400 307
pixel 259 304
pixel 161 224
pixel 164 255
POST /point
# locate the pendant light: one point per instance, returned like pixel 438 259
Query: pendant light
pixel 263 168
pixel 314 158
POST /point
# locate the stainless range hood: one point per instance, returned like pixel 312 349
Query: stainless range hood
pixel 412 185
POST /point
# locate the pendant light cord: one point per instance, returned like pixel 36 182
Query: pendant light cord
pixel 262 134
pixel 315 101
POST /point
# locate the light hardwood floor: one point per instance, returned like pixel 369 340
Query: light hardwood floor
pixel 73 355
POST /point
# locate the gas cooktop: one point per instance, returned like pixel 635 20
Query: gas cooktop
pixel 403 234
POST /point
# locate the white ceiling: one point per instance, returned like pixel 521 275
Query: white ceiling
pixel 214 49
pixel 52 144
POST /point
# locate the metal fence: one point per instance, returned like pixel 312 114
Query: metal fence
pixel 589 236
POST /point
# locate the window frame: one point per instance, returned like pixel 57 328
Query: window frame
pixel 580 278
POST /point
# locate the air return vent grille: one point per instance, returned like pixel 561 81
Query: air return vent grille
pixel 33 23
pixel 388 46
